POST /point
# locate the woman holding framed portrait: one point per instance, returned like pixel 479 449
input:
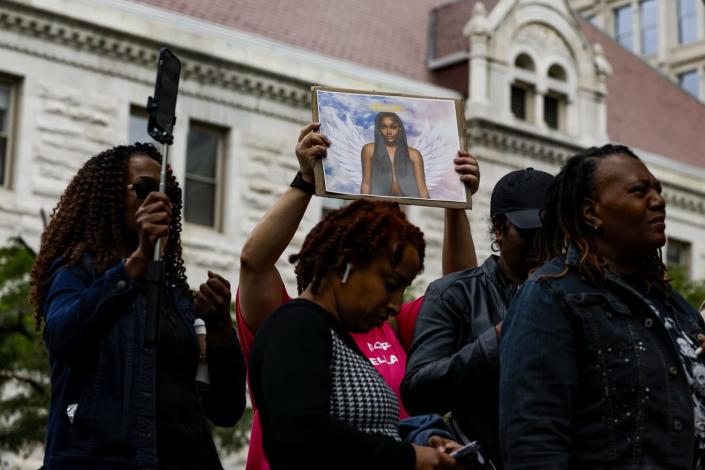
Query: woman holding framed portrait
pixel 261 288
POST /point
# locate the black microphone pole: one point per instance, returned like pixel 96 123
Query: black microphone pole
pixel 162 109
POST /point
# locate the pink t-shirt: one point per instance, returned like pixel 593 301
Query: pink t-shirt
pixel 380 345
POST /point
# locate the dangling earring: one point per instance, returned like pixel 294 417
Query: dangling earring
pixel 348 267
pixel 495 246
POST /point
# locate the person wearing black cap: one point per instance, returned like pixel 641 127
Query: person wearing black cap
pixel 453 365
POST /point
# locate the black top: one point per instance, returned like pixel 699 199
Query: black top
pixel 183 437
pixel 321 402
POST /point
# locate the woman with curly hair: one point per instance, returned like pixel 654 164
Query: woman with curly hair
pixel 261 288
pixel 321 401
pixel 599 361
pixel 116 403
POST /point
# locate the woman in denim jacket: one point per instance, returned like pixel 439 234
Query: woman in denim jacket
pixel 115 402
pixel 599 368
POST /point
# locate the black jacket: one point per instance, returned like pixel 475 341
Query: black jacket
pixel 453 364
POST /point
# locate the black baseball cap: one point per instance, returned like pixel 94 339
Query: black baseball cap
pixel 520 195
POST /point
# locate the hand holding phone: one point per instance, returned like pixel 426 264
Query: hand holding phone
pixel 470 458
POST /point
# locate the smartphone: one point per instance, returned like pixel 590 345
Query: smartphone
pixel 470 457
pixel 162 107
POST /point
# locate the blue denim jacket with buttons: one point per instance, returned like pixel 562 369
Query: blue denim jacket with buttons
pixel 103 378
pixel 591 379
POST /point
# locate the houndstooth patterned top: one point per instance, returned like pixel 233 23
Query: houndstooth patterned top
pixel 313 387
pixel 359 396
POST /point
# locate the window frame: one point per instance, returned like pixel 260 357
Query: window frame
pixel 220 164
pixel 696 73
pixel 685 255
pixel 13 84
pixel 648 28
pixel 561 110
pixel 617 35
pixel 680 17
pixel 529 94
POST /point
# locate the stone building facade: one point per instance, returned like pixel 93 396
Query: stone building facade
pixel 76 74
pixel 540 84
pixel 669 34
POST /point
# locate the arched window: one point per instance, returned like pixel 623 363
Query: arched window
pixel 557 72
pixel 523 61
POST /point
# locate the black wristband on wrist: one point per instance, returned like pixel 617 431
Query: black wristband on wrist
pixel 303 185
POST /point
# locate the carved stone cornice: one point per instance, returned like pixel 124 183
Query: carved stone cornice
pixel 513 141
pixel 94 44
pixel 684 199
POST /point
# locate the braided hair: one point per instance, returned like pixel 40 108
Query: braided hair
pixel 357 233
pixel 563 224
pixel 89 218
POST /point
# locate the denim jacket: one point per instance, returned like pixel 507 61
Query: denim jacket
pixel 591 379
pixel 102 412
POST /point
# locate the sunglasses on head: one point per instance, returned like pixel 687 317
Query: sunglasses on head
pixel 143 187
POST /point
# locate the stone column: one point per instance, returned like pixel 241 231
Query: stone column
pixel 477 31
pixel 604 70
pixel 664 33
pixel 636 27
pixel 700 13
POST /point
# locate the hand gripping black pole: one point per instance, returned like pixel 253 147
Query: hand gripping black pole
pixel 162 109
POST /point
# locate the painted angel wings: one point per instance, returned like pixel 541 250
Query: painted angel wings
pixel 437 156
pixel 343 165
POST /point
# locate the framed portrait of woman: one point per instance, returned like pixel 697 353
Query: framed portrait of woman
pixel 390 146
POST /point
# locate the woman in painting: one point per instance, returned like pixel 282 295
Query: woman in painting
pixel 389 166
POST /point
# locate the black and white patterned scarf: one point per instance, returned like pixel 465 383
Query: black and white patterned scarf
pixel 359 395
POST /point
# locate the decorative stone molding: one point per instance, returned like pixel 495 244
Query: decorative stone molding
pixel 98 43
pixel 553 152
pixel 543 38
pixel 508 139
pixel 684 199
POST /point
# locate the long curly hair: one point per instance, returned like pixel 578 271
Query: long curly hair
pixel 563 223
pixel 357 233
pixel 90 218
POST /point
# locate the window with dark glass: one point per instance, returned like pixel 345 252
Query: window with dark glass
pixel 649 26
pixel 6 96
pixel 137 129
pixel 519 98
pixel 687 21
pixel 557 72
pixel 678 255
pixel 523 61
pixel 689 82
pixel 551 111
pixel 623 26
pixel 203 168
